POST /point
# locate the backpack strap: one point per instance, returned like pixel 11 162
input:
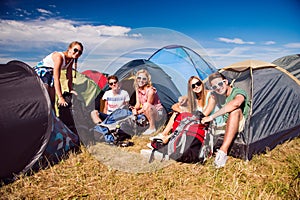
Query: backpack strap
pixel 151 159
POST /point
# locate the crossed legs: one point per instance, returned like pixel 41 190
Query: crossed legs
pixel 151 114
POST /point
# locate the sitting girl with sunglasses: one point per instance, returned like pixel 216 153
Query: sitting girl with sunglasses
pixel 147 100
pixel 198 98
pixel 49 70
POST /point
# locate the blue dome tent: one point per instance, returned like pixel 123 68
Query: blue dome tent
pixel 180 63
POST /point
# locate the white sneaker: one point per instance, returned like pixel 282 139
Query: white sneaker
pixel 149 131
pixel 220 159
pixel 158 136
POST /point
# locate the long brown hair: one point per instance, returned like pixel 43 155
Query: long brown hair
pixel 192 96
pixel 71 45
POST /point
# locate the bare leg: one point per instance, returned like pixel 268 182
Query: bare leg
pixel 51 92
pixel 151 114
pixel 169 126
pixel 232 126
pixel 95 117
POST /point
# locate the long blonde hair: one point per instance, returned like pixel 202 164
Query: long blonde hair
pixel 192 96
pixel 142 71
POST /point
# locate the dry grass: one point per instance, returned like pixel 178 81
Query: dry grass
pixel 274 175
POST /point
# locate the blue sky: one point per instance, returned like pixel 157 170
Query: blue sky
pixel 115 31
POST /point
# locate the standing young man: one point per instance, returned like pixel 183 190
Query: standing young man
pixel 234 111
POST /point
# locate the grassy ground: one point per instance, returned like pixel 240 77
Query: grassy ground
pixel 274 175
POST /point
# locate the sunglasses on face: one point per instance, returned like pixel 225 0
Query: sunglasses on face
pixel 112 83
pixel 141 78
pixel 196 84
pixel 216 86
pixel 77 50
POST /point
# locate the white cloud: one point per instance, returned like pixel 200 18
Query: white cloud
pixel 53 30
pixel 234 41
pixel 43 11
pixel 31 40
pixel 292 45
pixel 21 12
pixel 112 46
pixel 42 36
pixel 269 42
pixel 225 56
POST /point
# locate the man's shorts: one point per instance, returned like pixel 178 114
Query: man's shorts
pixel 242 124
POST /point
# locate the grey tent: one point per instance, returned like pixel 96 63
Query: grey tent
pixel 275 107
pixel 29 130
pixel 291 63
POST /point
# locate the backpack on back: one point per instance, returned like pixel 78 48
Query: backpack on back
pixel 187 139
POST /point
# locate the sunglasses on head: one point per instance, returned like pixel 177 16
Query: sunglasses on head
pixel 141 78
pixel 216 86
pixel 77 50
pixel 112 83
pixel 196 84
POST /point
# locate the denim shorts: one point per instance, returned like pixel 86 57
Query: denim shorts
pixel 46 74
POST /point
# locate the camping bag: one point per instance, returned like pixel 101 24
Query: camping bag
pixel 179 117
pixel 129 123
pixel 182 115
pixel 134 124
pixel 102 134
pixel 186 141
pixel 109 130
pixel 117 115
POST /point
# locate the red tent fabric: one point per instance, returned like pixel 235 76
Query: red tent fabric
pixel 96 76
